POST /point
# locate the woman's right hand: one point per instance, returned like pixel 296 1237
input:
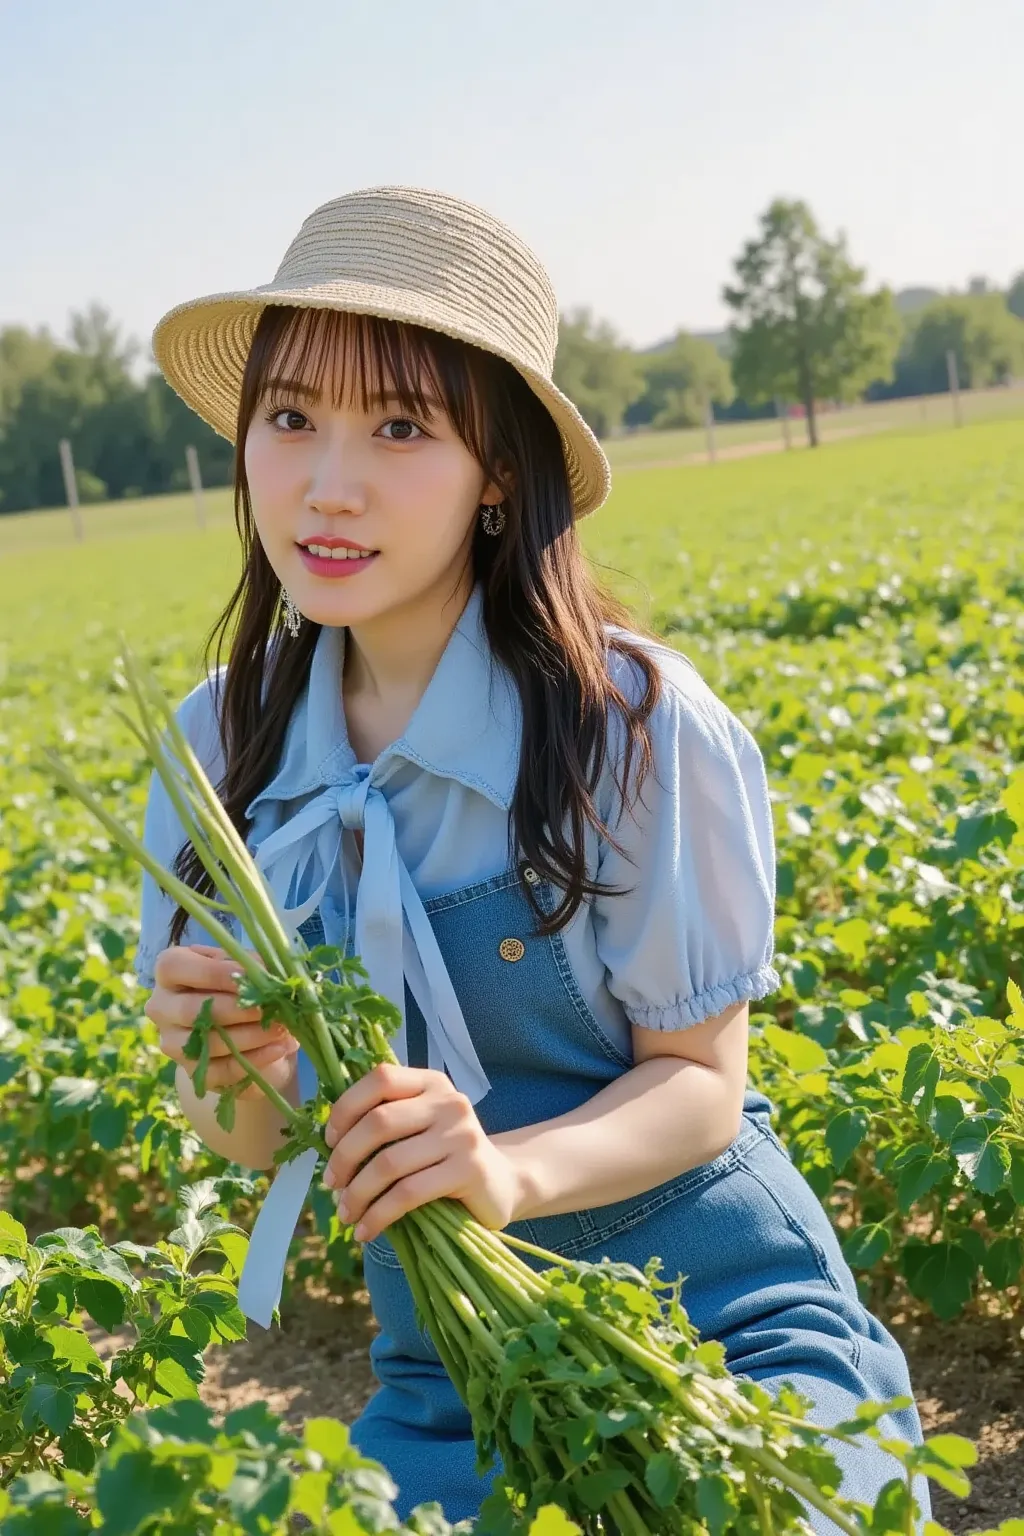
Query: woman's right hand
pixel 187 974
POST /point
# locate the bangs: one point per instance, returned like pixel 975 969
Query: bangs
pixel 363 359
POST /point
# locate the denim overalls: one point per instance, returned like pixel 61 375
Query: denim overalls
pixel 765 1274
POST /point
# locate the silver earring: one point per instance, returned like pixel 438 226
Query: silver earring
pixel 493 519
pixel 292 616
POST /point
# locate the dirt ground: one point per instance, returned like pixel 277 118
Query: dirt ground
pixel 968 1377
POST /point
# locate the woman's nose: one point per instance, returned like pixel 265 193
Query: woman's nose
pixel 338 481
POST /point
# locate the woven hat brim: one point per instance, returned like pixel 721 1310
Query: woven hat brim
pixel 202 346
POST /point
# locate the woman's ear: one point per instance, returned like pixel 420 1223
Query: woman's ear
pixel 498 490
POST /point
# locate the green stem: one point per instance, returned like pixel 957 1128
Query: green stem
pixel 631 1523
pixel 194 904
pixel 764 1512
pixel 404 1244
pixel 293 1116
pixel 797 1483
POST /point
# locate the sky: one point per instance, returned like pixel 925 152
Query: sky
pixel 157 151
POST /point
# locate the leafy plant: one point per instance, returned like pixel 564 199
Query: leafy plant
pixel 59 1401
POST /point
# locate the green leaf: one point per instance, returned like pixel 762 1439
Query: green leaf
pixel 70 1095
pixel 983 1160
pixel 868 1413
pixel 309 1496
pixel 1016 1179
pixel 919 1177
pixel 550 1520
pixel 50 1404
pixel 664 1478
pixel 977 830
pixel 617 1421
pixel 844 1134
pixel 954 1450
pixel 175 1380
pixel 108 1125
pixel 581 1438
pixel 136 1489
pixel 596 1488
pixel 328 1438
pixel 197 1326
pixel 78 1450
pixel 852 937
pixel 866 1245
pixel 89 1251
pixel 10 1270
pixel 104 1301
pixel 521 1421
pixel 13 1237
pixel 941 1274
pixel 798 1051
pixel 546 1337
pixel 923 1071
pixel 715 1503
pixel 947 1112
pixel 72 1345
pixel 1003 1262
pixel 224 1114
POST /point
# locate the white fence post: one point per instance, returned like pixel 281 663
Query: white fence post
pixel 709 428
pixel 192 460
pixel 954 387
pixel 67 464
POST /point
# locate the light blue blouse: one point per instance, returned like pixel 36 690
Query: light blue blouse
pixel 692 935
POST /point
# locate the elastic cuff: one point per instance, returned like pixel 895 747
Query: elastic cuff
pixel 683 1014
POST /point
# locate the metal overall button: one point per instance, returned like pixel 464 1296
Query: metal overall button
pixel 512 949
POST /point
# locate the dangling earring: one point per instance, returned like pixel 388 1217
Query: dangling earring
pixel 292 616
pixel 493 519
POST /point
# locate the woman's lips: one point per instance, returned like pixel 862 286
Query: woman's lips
pixel 335 568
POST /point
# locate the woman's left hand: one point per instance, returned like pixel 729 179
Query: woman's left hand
pixel 432 1145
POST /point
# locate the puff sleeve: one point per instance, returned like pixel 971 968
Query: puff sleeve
pixel 163 835
pixel 694 931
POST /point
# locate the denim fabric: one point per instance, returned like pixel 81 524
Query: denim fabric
pixel 764 1271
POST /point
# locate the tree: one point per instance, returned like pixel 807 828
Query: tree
pixel 128 438
pixel 986 339
pixel 806 329
pixel 678 378
pixel 1015 296
pixel 596 370
pixel 24 355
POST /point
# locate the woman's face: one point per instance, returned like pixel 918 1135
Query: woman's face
pixel 390 501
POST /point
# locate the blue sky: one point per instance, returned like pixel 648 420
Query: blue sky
pixel 154 150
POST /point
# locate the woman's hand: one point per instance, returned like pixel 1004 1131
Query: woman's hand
pixel 423 1140
pixel 186 975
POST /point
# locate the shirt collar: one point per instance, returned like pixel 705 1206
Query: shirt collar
pixel 467 725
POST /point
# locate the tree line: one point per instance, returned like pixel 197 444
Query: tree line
pixel 805 330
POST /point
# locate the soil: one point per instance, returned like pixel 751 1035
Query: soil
pixel 968 1378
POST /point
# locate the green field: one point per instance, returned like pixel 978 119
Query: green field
pixel 861 608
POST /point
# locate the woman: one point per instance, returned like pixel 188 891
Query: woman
pixel 547 839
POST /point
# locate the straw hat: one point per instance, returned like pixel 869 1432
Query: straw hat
pixel 405 253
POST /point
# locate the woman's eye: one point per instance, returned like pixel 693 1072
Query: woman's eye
pixel 403 436
pixel 277 412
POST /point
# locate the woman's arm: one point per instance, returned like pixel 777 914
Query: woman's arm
pixel 679 1106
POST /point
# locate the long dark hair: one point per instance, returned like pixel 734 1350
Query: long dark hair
pixel 544 613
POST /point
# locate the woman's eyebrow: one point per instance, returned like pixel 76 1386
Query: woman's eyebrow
pixel 374 400
pixel 293 387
